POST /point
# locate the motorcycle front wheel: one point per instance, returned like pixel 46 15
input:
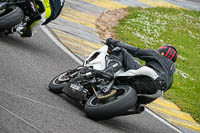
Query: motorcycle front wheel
pixel 99 109
pixel 58 83
pixel 9 18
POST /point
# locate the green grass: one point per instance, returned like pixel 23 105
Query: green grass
pixel 153 27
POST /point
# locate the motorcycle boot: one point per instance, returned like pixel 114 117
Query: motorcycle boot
pixel 137 109
pixel 26 32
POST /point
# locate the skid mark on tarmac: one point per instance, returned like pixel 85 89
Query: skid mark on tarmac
pixel 76 29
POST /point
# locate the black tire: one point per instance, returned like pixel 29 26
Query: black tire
pixel 113 108
pixel 56 86
pixel 12 16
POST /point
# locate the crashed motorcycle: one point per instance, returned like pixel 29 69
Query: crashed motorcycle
pixel 16 14
pixel 101 96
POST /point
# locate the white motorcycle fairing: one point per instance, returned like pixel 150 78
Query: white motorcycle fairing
pixel 97 60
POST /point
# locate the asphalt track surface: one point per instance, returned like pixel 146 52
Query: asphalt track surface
pixel 26 105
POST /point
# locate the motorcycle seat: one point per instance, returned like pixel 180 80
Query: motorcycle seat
pixel 3 5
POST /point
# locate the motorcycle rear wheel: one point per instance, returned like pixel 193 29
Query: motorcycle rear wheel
pixel 12 16
pixel 125 98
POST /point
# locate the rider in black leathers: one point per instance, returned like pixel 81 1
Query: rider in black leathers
pixel 161 61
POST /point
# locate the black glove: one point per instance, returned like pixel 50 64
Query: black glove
pixel 111 43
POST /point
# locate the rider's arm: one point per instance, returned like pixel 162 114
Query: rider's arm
pixel 117 43
pixel 143 54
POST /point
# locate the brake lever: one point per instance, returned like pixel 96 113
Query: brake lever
pixel 103 42
pixel 109 46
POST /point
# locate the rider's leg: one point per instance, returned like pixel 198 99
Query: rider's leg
pixel 40 14
pixel 115 62
pixel 121 58
pixel 31 27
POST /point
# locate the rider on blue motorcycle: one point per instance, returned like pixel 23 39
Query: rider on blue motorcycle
pixel 46 11
pixel 161 61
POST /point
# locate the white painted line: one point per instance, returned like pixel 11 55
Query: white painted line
pixel 21 119
pixel 80 62
pixel 44 28
pixel 163 120
pixel 29 99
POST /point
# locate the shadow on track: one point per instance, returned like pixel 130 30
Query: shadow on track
pixel 20 43
pixel 120 124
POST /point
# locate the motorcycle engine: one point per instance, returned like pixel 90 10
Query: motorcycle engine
pixel 76 91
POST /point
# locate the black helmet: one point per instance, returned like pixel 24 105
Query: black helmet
pixel 169 51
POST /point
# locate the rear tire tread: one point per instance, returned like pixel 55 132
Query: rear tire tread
pixel 112 109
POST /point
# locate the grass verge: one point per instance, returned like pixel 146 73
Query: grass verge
pixel 153 27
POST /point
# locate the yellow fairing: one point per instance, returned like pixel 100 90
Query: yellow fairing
pixel 33 24
pixel 48 8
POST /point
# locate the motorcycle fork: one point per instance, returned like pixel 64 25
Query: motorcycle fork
pixel 107 91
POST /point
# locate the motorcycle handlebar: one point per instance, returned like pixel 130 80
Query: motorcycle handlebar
pixel 103 42
pixel 109 46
